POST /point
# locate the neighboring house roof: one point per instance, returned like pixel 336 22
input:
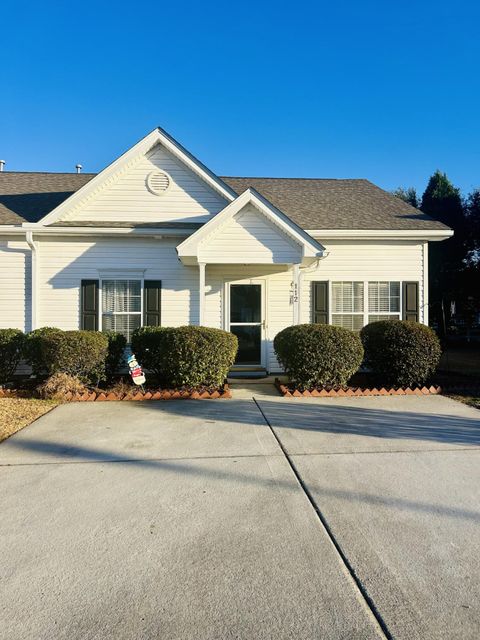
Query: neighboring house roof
pixel 311 203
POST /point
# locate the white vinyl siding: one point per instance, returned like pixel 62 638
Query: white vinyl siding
pixel 249 238
pixel 64 263
pixel 126 197
pixel 366 261
pixel 15 284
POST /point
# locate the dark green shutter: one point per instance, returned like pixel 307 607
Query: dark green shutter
pixel 152 298
pixel 410 301
pixel 89 305
pixel 320 302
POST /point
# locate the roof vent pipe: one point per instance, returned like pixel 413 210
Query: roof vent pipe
pixel 78 167
pixel 2 164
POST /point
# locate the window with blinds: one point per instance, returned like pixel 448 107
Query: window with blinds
pixel 355 304
pixel 383 301
pixel 121 306
pixel 348 305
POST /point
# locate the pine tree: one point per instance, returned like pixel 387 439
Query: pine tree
pixel 442 201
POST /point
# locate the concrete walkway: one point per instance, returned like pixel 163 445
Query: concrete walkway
pixel 257 517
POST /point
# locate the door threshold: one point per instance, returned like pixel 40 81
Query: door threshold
pixel 245 374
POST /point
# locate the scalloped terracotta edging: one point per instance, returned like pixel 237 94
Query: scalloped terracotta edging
pixel 351 392
pixel 133 395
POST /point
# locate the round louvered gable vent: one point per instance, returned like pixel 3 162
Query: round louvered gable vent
pixel 158 182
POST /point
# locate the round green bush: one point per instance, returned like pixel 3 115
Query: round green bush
pixel 77 353
pixel 150 346
pixel 401 353
pixel 116 349
pixel 33 351
pixel 186 356
pixel 318 355
pixel 12 342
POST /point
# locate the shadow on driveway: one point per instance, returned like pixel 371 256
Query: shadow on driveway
pixel 365 421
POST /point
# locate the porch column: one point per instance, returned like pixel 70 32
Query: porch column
pixel 201 293
pixel 296 293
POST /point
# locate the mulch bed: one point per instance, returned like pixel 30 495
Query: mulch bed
pixel 134 394
pixel 290 390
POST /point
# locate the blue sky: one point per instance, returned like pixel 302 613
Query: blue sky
pixel 383 90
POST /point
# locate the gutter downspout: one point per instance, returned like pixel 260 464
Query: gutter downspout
pixel 33 247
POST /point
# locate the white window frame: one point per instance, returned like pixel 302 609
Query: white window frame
pixel 397 314
pixel 136 274
pixel 332 313
pixel 365 294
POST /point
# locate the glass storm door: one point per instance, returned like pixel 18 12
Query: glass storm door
pixel 246 322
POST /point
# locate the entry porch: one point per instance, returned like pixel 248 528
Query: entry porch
pixel 250 258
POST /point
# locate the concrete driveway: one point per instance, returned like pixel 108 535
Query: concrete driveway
pixel 195 520
pixel 164 520
pixel 397 483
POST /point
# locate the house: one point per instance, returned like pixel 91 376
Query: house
pixel 158 238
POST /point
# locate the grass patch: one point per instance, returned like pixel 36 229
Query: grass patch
pixel 16 413
pixel 472 401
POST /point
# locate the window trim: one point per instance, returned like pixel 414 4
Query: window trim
pixel 348 313
pixel 398 314
pixel 365 293
pixel 119 276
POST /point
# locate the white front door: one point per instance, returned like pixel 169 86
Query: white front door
pixel 246 320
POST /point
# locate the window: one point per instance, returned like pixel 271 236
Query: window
pixel 121 306
pixel 356 303
pixel 383 301
pixel 348 305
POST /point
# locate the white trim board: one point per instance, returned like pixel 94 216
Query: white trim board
pixel 380 234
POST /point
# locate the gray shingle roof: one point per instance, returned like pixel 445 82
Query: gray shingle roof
pixel 311 203
pixel 337 204
pixel 27 197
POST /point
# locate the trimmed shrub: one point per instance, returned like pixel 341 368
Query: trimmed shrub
pixel 55 387
pixel 200 356
pixel 186 356
pixel 399 352
pixel 116 347
pixel 318 355
pixel 12 342
pixel 33 349
pixel 76 353
pixel 150 346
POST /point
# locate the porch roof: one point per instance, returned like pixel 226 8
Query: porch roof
pixel 250 230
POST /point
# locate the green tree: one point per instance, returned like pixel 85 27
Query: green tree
pixel 408 195
pixel 472 212
pixel 442 201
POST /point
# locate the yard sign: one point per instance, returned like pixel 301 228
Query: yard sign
pixel 136 372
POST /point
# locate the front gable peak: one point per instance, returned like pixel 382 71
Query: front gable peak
pixel 250 230
pixel 156 176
